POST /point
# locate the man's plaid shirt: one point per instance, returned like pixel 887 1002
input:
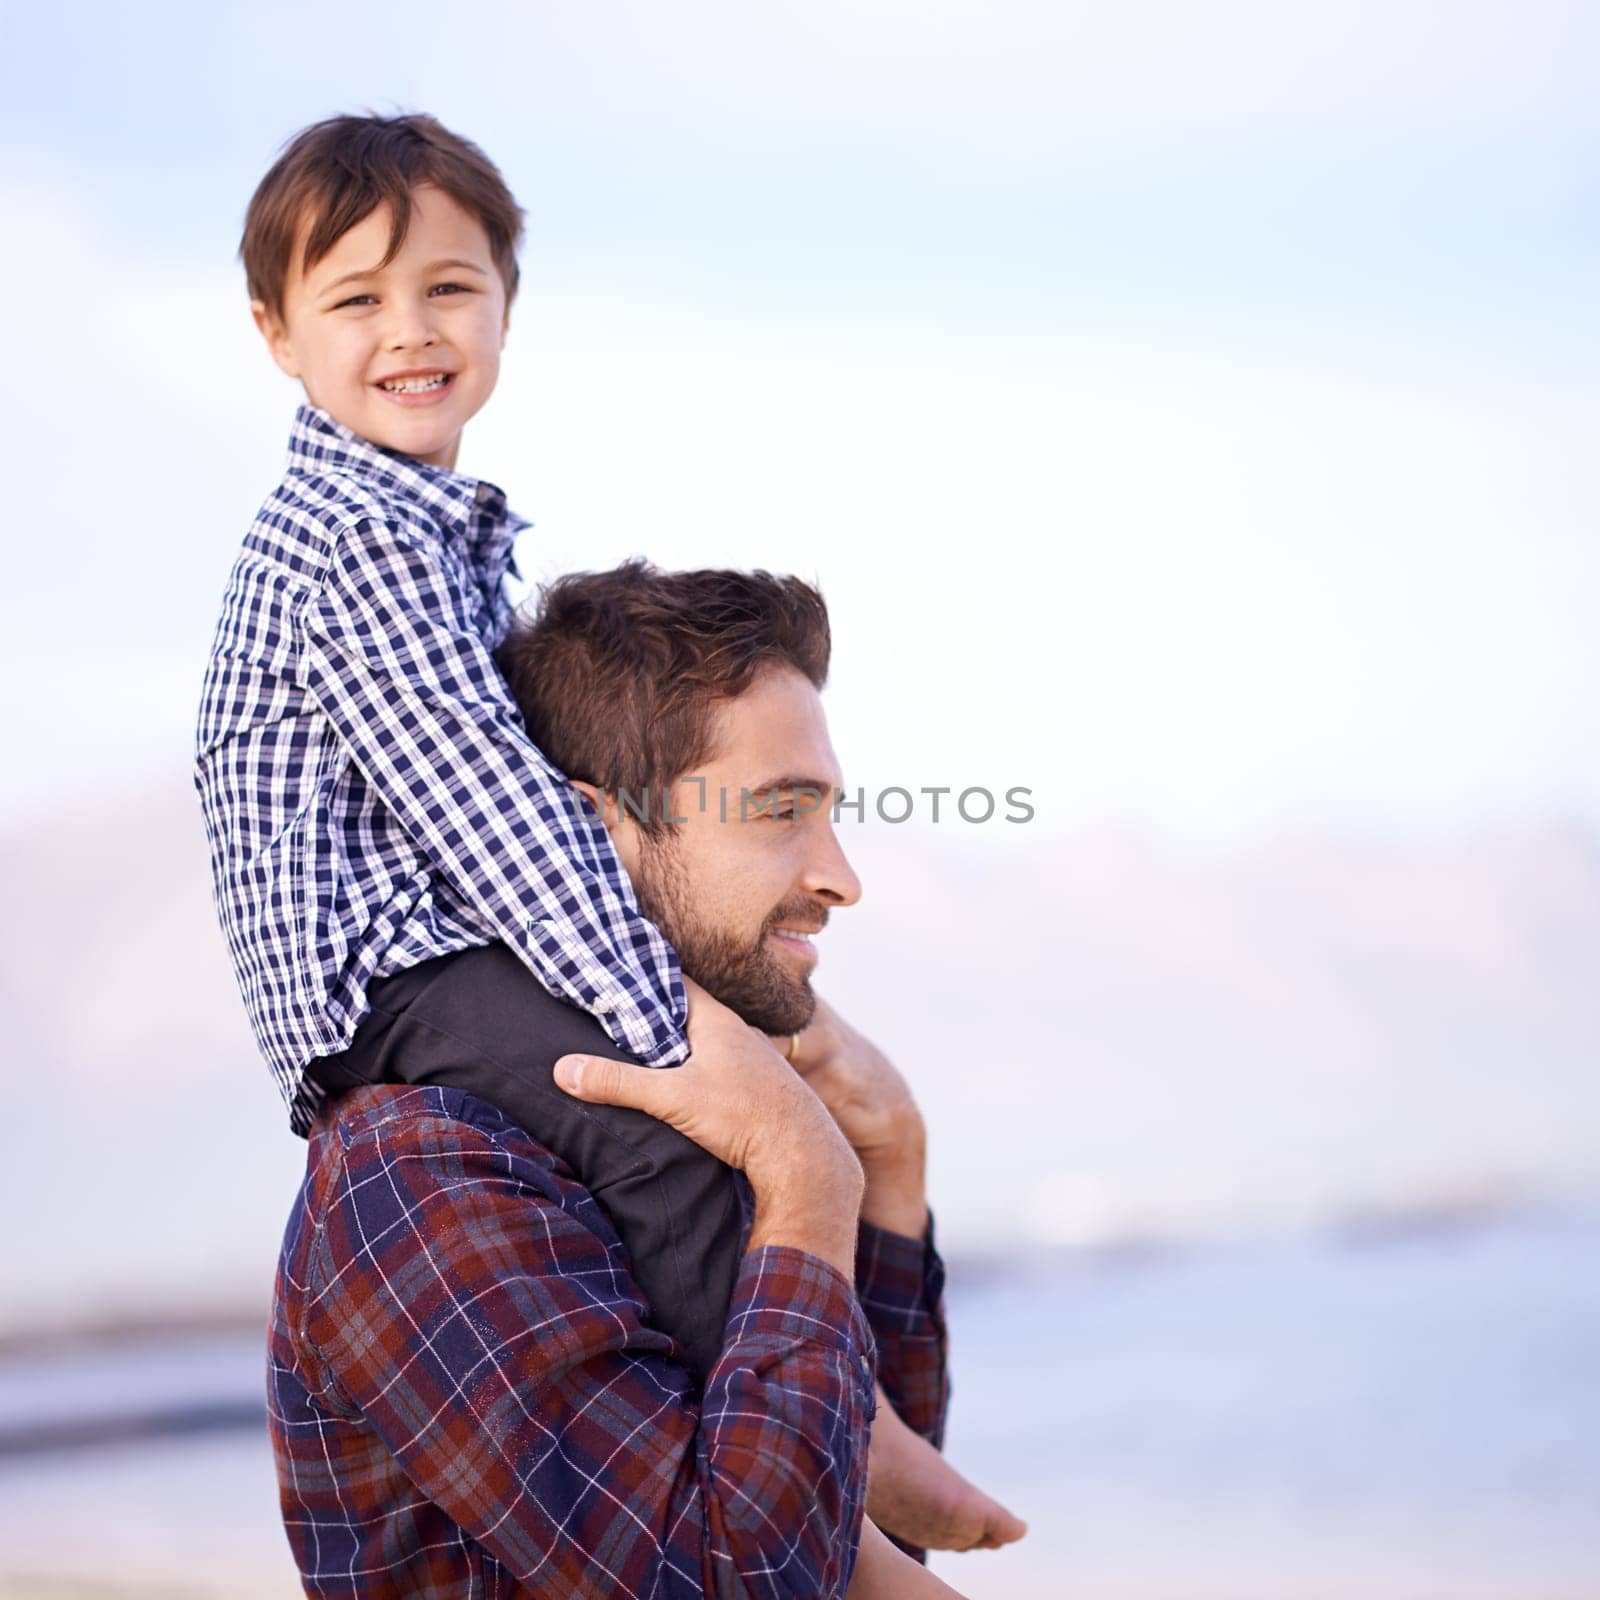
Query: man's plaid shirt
pixel 465 1399
pixel 371 797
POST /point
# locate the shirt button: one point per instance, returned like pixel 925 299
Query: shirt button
pixel 603 1005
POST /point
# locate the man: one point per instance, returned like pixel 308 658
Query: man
pixel 467 1394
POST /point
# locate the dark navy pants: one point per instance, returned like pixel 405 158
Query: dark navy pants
pixel 478 1020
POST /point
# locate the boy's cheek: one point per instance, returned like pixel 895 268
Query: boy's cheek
pixel 344 373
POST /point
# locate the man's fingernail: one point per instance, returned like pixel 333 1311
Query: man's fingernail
pixel 569 1072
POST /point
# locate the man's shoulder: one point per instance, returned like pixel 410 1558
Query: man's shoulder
pixel 400 1172
pixel 388 1113
pixel 383 1158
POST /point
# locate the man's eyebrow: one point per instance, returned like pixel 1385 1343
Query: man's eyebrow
pixel 372 272
pixel 817 786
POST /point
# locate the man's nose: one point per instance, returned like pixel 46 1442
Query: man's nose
pixel 831 876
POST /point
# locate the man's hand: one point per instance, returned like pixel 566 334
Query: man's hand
pixel 735 1097
pixel 873 1107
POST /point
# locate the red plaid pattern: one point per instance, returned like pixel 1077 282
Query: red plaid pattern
pixel 464 1397
pixel 901 1285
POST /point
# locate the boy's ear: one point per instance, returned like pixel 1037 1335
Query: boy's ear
pixel 270 326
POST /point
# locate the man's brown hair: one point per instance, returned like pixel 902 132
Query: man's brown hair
pixel 337 172
pixel 619 674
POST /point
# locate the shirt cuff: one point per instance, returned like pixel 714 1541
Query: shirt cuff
pixel 668 1044
pixel 900 1280
pixel 643 1025
pixel 784 1296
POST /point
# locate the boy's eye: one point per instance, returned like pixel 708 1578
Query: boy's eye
pixel 372 299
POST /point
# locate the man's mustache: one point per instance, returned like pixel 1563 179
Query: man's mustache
pixel 805 916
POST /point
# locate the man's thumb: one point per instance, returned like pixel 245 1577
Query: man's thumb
pixel 608 1083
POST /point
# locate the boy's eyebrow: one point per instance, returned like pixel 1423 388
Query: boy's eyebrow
pixel 471 266
pixel 372 272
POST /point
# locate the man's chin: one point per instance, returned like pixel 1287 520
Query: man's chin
pixel 753 981
pixel 769 1001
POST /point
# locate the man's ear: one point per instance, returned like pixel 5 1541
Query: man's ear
pixel 623 828
pixel 270 326
pixel 604 805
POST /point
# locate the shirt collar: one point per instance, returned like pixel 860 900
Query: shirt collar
pixel 472 507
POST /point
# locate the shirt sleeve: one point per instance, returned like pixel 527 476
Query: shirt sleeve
pixel 900 1284
pixel 411 689
pixel 494 1343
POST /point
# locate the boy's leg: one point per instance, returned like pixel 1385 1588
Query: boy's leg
pixel 479 1021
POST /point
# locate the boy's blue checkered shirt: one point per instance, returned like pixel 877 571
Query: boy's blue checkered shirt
pixel 371 797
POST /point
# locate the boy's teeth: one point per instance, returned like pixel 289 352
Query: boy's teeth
pixel 415 385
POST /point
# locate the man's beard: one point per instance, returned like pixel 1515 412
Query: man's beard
pixel 747 978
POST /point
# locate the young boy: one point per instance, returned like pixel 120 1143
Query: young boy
pixel 380 825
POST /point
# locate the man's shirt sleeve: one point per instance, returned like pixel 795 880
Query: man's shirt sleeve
pixel 414 695
pixel 900 1283
pixel 495 1344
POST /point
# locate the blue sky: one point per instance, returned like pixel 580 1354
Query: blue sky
pixel 1187 410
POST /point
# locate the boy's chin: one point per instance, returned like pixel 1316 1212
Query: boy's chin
pixel 424 436
pixel 436 444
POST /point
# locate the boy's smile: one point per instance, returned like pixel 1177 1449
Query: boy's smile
pixel 404 354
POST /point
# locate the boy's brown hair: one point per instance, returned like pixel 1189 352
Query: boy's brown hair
pixel 336 172
pixel 619 674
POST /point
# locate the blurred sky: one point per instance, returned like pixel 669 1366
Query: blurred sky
pixel 1187 409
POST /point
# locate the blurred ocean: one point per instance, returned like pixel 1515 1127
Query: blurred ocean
pixel 1399 1414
